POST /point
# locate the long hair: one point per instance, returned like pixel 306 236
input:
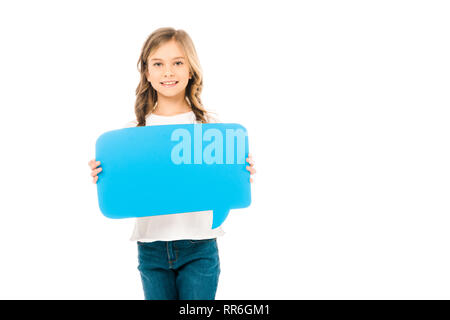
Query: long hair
pixel 146 95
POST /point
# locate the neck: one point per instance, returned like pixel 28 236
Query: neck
pixel 169 106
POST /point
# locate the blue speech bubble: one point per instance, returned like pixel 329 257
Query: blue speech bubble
pixel 169 169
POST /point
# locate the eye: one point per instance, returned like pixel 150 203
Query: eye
pixel 158 63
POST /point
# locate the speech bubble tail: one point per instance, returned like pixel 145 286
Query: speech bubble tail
pixel 219 216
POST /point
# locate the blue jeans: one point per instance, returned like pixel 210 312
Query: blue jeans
pixel 179 269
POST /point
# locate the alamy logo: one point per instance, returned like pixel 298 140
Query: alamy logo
pixel 214 151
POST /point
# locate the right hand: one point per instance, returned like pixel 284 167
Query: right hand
pixel 94 164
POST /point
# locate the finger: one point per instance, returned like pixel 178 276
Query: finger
pixel 250 161
pixel 251 169
pixel 95 179
pixel 251 180
pixel 95 164
pixel 95 172
pixel 90 163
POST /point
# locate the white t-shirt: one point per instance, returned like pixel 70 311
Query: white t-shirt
pixel 190 225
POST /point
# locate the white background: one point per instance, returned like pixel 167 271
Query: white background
pixel 347 109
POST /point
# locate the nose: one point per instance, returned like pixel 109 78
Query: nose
pixel 168 71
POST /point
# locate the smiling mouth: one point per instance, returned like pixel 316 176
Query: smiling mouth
pixel 169 84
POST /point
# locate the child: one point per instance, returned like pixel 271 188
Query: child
pixel 177 253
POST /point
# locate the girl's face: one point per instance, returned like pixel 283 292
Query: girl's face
pixel 168 63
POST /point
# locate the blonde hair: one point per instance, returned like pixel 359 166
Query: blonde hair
pixel 146 95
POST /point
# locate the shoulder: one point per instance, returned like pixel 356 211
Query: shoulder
pixel 129 124
pixel 213 118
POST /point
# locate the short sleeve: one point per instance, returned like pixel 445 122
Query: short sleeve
pixel 130 124
pixel 213 119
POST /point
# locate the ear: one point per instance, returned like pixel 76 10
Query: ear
pixel 147 76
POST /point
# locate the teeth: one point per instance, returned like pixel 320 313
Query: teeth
pixel 169 82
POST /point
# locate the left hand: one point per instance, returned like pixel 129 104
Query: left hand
pixel 251 166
